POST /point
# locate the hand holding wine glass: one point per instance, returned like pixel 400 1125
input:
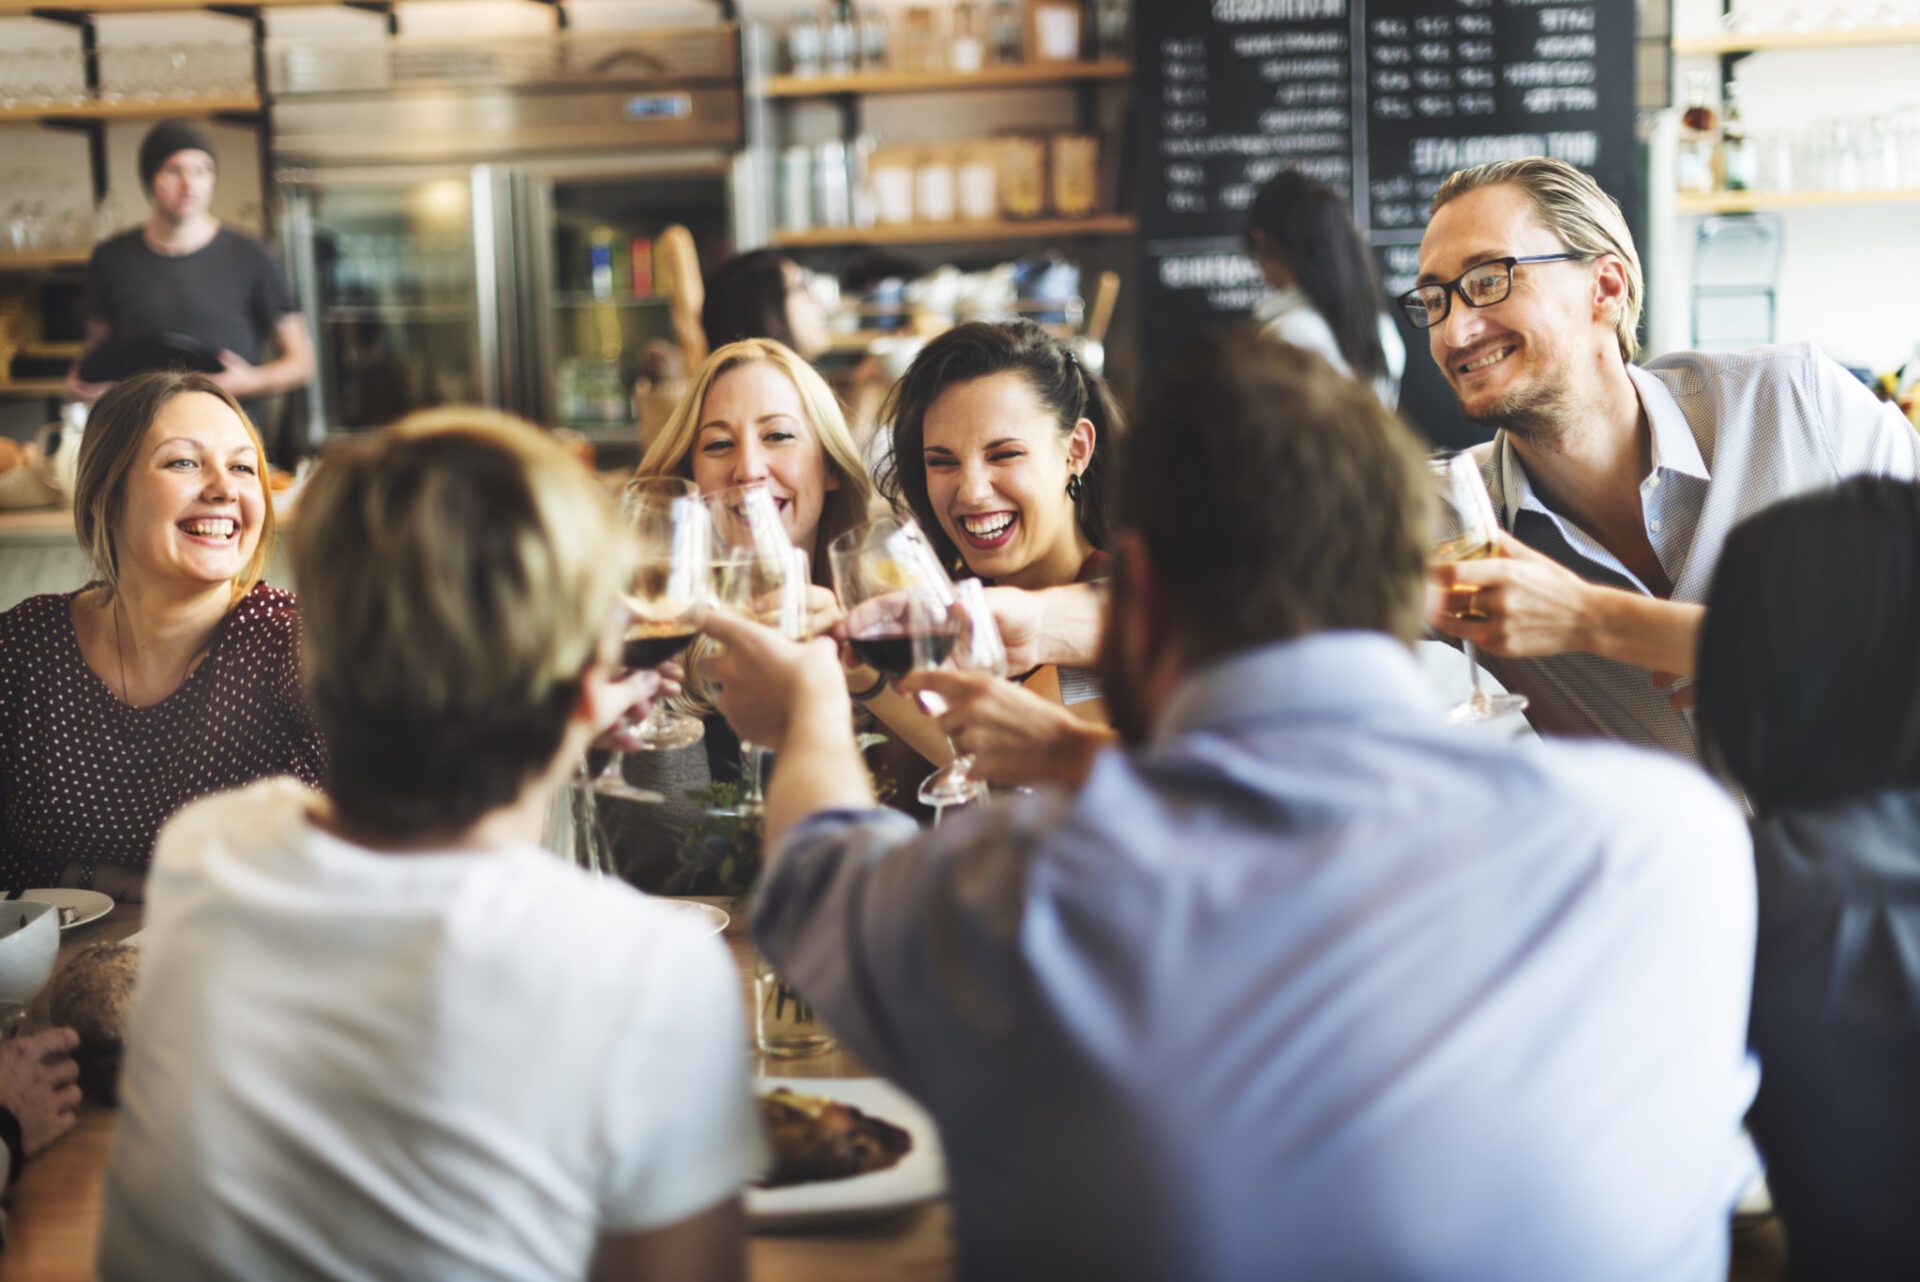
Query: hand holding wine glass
pixel 1465 530
pixel 977 648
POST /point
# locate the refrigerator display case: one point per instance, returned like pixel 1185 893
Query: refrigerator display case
pixel 476 222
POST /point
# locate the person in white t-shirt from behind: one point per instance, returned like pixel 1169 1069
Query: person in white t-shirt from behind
pixel 381 1033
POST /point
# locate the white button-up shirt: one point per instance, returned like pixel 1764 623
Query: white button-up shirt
pixel 1731 435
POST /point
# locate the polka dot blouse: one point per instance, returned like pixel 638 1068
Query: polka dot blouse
pixel 86 779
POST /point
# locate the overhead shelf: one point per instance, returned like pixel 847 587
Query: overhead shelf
pixel 957 232
pixel 1762 42
pixel 138 6
pixel 1025 75
pixel 37 259
pixel 136 108
pixel 1740 202
pixel 33 387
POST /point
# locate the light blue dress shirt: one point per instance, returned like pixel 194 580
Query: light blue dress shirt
pixel 1731 435
pixel 1313 986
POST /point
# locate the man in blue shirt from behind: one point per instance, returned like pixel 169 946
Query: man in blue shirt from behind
pixel 1301 982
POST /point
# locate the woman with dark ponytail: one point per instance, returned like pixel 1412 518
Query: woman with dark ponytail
pixel 1327 295
pixel 1001 449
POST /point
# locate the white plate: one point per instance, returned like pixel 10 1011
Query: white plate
pixel 90 904
pixel 715 918
pixel 918 1177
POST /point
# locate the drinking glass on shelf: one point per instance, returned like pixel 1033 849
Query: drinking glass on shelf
pixel 977 647
pixel 671 584
pixel 1466 531
pixel 759 573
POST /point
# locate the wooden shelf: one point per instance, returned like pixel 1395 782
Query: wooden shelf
pixel 136 6
pixel 38 259
pixel 1762 42
pixel 1740 202
pixel 1024 75
pixel 135 109
pixel 957 232
pixel 33 387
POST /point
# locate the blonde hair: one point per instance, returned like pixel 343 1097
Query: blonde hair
pixel 110 447
pixel 1570 204
pixel 458 574
pixel 671 453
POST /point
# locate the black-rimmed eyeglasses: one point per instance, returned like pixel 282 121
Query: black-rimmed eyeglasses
pixel 1481 285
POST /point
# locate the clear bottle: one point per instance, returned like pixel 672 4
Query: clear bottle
pixel 967 51
pixel 1739 157
pixel 873 39
pixel 843 40
pixel 804 43
pixel 1006 32
pixel 1111 21
pixel 1694 161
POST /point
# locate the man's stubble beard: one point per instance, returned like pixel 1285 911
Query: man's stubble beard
pixel 1537 415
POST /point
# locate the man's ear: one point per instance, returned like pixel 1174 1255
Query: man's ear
pixel 1609 288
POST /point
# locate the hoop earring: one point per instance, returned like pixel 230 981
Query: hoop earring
pixel 1075 486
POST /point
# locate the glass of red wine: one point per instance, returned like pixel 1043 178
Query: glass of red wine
pixel 901 610
pixel 671 585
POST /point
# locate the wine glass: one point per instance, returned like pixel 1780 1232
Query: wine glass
pixel 759 573
pixel 671 584
pixel 1466 532
pixel 977 648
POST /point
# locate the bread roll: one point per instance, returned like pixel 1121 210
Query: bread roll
pixel 93 992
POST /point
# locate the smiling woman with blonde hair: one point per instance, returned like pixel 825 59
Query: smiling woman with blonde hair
pixel 176 672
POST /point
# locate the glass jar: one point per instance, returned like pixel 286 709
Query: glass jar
pixel 784 1023
pixel 804 43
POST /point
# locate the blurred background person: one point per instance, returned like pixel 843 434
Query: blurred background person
pixel 761 294
pixel 1809 697
pixel 1326 291
pixel 185 272
pixel 387 1007
pixel 172 675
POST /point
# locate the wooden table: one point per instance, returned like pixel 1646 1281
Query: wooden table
pixel 54 1211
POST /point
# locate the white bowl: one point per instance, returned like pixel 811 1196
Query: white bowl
pixel 29 945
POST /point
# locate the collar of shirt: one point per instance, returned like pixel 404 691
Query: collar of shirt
pixel 1353 676
pixel 1278 304
pixel 1675 454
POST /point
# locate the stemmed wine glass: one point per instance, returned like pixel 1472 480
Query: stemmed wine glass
pixel 759 573
pixel 672 583
pixel 903 615
pixel 1465 531
pixel 977 647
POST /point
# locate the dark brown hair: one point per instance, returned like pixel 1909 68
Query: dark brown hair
pixel 1067 389
pixel 1808 687
pixel 1275 498
pixel 109 449
pixel 1306 223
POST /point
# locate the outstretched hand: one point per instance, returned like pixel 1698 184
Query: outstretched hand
pixel 1013 735
pixel 761 681
pixel 642 688
pixel 39 1085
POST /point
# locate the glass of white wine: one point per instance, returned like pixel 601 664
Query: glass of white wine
pixel 1465 530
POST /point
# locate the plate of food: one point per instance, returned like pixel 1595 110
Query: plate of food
pixel 714 918
pixel 844 1148
pixel 77 907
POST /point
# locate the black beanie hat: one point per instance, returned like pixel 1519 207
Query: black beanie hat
pixel 165 139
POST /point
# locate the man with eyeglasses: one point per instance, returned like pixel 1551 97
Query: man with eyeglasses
pixel 1615 483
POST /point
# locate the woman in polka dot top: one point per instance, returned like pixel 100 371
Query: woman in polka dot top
pixel 177 672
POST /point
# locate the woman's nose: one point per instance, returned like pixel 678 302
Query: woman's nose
pixel 749 463
pixel 976 485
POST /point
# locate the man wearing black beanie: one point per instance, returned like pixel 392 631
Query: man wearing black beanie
pixel 183 273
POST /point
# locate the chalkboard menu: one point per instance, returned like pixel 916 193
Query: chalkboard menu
pixel 1380 98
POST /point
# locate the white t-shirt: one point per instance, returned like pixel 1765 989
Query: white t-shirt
pixel 1287 316
pixel 347 1064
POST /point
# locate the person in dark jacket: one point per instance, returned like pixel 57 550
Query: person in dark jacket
pixel 1810 699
